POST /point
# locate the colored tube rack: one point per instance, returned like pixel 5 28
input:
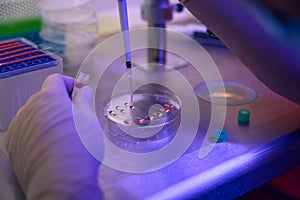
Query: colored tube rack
pixel 19 56
pixel 23 68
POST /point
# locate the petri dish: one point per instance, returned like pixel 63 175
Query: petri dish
pixel 235 93
pixel 146 124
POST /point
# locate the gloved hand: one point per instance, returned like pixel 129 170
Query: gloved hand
pixel 46 153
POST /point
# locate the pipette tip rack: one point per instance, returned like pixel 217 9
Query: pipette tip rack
pixel 19 56
pixel 23 68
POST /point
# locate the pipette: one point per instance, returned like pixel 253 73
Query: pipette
pixel 123 15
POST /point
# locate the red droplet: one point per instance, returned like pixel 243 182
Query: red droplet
pixel 128 121
pixel 169 106
pixel 140 121
pixel 150 118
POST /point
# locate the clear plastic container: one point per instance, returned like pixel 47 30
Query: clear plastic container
pixel 70 29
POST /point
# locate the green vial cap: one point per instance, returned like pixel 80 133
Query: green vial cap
pixel 243 116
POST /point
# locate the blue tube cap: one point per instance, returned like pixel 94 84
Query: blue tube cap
pixel 220 136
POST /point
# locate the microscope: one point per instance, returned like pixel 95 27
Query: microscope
pixel 157 13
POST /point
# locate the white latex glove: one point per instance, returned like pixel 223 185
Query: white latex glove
pixel 46 153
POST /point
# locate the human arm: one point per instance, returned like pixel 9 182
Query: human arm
pixel 285 9
pixel 45 150
pixel 272 60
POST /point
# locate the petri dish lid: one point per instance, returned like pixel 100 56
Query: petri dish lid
pixel 235 93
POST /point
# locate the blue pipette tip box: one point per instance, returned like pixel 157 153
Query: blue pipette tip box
pixel 23 68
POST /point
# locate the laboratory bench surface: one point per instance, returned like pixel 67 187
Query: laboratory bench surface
pixel 251 156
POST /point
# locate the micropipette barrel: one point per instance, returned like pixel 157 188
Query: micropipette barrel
pixel 123 14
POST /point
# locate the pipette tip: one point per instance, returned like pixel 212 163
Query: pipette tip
pixel 128 64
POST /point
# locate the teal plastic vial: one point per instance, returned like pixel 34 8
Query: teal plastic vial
pixel 243 117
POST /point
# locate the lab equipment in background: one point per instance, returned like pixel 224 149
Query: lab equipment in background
pixel 69 29
pixel 23 68
pixel 157 13
pixel 108 10
pixel 18 17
